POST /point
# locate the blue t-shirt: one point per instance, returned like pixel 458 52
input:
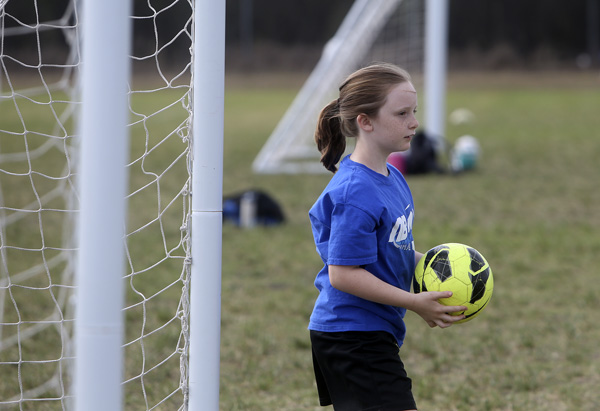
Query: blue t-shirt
pixel 365 219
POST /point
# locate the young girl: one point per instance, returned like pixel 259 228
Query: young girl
pixel 362 226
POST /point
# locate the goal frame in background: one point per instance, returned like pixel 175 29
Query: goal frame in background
pixel 290 148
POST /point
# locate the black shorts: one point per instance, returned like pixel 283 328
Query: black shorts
pixel 360 371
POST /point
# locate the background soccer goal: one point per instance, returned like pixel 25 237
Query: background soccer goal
pixel 410 33
pixel 40 96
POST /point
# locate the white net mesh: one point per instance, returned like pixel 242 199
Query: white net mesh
pixel 39 61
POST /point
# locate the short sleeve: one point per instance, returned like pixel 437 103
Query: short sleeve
pixel 353 237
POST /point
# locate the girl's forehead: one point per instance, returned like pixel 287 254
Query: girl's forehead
pixel 402 92
pixel 406 87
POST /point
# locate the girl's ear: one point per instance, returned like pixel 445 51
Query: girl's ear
pixel 364 122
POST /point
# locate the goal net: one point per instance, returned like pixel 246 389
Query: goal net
pixel 373 30
pixel 40 61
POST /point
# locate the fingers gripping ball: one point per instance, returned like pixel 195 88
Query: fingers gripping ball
pixel 460 269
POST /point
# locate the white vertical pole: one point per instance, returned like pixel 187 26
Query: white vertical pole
pixel 436 43
pixel 207 204
pixel 103 185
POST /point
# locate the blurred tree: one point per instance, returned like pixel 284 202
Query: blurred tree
pixel 593 31
pixel 567 28
pixel 523 25
pixel 289 22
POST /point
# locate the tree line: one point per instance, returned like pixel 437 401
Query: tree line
pixel 568 28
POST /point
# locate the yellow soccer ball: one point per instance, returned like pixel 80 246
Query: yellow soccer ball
pixel 458 268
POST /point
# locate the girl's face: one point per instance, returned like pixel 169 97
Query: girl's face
pixel 394 126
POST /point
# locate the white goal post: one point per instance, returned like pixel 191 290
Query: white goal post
pixel 436 50
pixel 291 148
pixel 99 322
pixel 207 204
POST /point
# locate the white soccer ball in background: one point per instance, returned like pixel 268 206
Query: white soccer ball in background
pixel 461 116
pixel 465 153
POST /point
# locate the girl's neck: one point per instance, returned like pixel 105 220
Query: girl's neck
pixel 376 165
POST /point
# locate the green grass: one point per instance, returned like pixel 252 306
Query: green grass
pixel 531 208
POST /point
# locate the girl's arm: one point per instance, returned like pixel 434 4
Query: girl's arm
pixel 361 283
pixel 418 256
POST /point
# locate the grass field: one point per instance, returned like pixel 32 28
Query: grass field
pixel 531 208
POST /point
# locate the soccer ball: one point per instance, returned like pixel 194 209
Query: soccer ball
pixel 458 268
pixel 465 153
pixel 461 116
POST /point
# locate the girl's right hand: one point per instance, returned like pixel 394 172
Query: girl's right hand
pixel 434 313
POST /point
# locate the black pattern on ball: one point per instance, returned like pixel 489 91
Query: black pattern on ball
pixel 441 265
pixel 479 281
pixel 477 261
